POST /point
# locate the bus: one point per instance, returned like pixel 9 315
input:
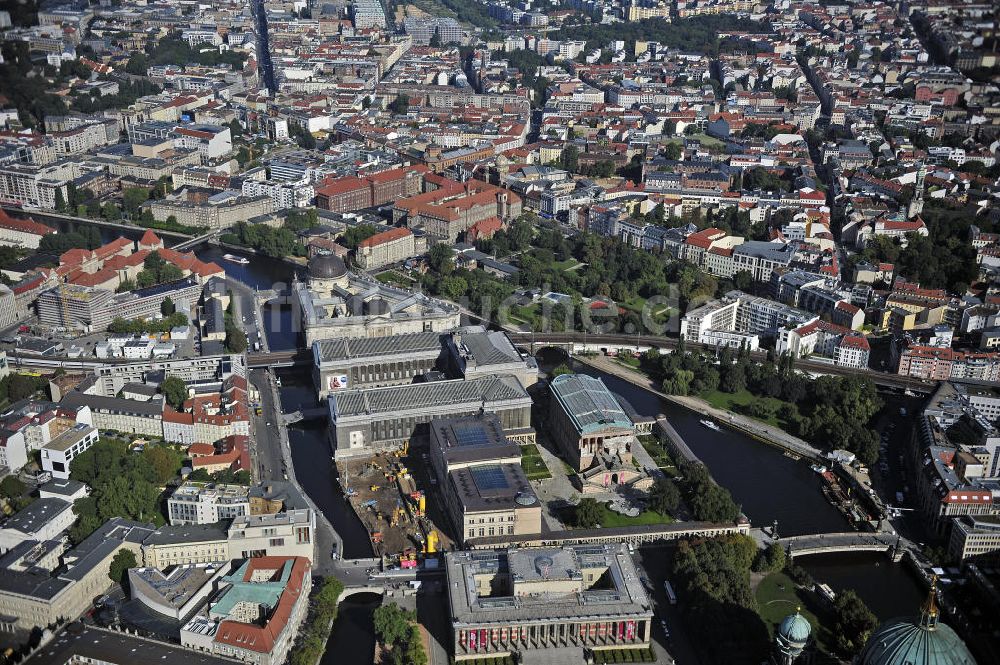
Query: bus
pixel 671 596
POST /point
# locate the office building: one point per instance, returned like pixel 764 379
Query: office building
pixel 33 596
pixel 975 539
pixel 563 599
pixel 76 307
pixel 382 249
pixel 58 453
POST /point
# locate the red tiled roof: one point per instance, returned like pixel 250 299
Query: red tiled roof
pixel 24 225
pixel 385 236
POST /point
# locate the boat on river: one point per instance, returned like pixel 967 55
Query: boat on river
pixel 710 424
pixel 232 258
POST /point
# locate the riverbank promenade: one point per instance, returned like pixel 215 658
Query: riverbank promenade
pixel 744 424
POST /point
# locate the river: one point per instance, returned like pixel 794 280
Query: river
pixel 767 485
pixel 262 273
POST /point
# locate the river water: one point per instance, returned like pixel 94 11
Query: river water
pixel 768 485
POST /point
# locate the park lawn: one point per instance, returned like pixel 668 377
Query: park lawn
pixel 394 278
pixel 629 361
pixel 634 304
pixel 737 403
pixel 708 141
pixel 533 464
pixel 568 264
pixel 777 597
pixel 609 518
pixel 658 453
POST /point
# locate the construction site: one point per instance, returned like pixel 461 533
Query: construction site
pixel 390 494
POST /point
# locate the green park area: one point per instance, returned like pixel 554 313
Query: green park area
pixel 778 596
pixel 533 464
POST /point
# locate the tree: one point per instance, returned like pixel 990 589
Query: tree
pixel 137 64
pixel 441 259
pixel 569 158
pixel 770 560
pixel 174 391
pixel 587 514
pixel 854 623
pixel 11 488
pixel 167 307
pixel 664 497
pixel 400 105
pixel 20 386
pixel 60 200
pixel 165 463
pixel 236 339
pixel 133 198
pixel 743 280
pixel 118 571
pixel 561 369
pixel 392 624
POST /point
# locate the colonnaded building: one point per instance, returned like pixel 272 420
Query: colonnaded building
pixel 571 598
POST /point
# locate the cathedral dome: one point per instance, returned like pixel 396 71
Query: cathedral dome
pixel 327 266
pixel 795 629
pixel 916 641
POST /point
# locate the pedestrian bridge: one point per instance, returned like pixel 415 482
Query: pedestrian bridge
pixel 828 543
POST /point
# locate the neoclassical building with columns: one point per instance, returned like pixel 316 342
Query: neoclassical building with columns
pixel 576 598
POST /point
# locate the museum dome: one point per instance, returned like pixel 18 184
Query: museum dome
pixel 795 629
pixel 327 266
pixel 916 641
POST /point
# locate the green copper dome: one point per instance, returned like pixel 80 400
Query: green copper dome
pixel 916 641
pixel 795 629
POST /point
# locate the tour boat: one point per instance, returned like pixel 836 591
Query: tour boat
pixel 236 259
pixel 818 468
pixel 710 425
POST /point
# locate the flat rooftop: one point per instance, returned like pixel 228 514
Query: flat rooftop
pixel 102 646
pixel 175 588
pixel 492 487
pixel 471 439
pixel 70 437
pixel 622 596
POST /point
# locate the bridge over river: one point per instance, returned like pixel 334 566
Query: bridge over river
pixel 832 543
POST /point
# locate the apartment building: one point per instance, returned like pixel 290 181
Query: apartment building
pixel 120 415
pixel 58 453
pixel 384 248
pixel 207 503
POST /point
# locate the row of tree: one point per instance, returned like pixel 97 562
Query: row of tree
pixel 829 412
pixel 269 241
pixel 123 483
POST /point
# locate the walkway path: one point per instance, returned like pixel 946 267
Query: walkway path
pixel 748 426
